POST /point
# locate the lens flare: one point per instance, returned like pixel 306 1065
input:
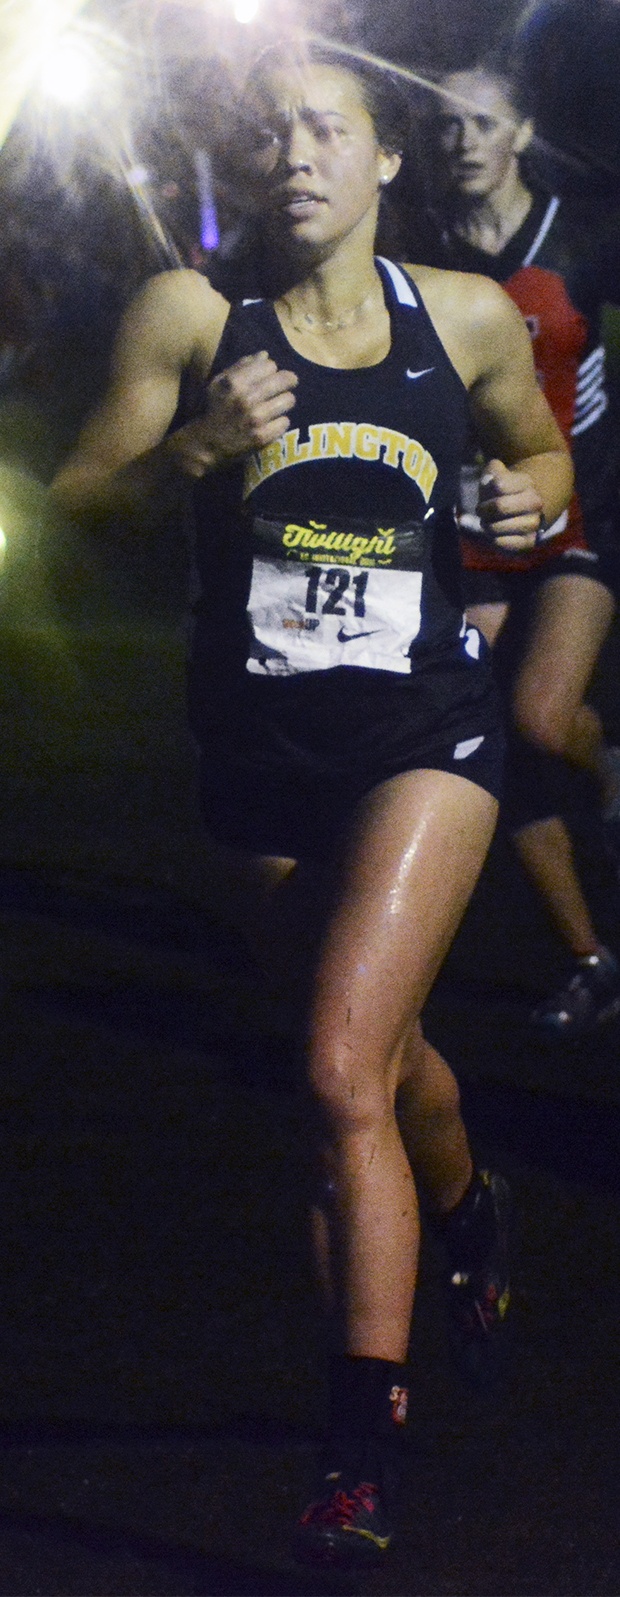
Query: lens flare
pixel 28 31
pixel 245 10
pixel 68 75
pixel 209 230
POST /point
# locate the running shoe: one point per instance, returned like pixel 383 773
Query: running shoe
pixel 477 1237
pixel 348 1523
pixel 589 999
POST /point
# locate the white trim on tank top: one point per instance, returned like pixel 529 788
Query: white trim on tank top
pixel 404 291
pixel 552 208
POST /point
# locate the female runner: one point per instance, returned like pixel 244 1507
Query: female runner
pixel 347 722
pixel 546 612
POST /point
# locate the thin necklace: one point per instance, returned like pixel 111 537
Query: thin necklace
pixel 333 324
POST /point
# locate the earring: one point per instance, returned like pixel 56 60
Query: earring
pixel 383 180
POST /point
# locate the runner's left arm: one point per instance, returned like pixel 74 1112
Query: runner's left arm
pixel 529 474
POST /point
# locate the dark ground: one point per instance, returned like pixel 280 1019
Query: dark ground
pixel 160 1344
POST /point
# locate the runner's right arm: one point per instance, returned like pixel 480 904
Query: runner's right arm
pixel 125 452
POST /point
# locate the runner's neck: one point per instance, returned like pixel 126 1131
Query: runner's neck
pixel 491 222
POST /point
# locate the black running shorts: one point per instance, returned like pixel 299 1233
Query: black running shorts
pixel 283 774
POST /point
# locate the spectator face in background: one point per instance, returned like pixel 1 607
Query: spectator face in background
pixel 479 141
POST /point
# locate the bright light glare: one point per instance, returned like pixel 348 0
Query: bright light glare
pixel 68 73
pixel 245 10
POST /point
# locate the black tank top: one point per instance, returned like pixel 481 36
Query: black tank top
pixel 337 545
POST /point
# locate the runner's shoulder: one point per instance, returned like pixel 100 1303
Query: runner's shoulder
pixel 455 291
pixel 177 314
pixel 468 306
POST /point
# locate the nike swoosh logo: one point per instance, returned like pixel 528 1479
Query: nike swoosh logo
pixel 467 747
pixel 348 637
pixel 423 373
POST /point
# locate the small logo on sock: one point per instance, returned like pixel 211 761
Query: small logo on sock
pixel 399 1398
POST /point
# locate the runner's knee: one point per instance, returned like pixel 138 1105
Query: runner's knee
pixel 351 1091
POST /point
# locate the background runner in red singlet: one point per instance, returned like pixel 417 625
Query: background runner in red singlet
pixel 546 613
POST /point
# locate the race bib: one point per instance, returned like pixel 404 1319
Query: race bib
pixel 326 594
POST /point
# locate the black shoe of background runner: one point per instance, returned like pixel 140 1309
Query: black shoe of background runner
pixel 589 999
pixel 347 1524
pixel 478 1288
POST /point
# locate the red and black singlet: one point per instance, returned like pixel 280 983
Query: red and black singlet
pixel 559 284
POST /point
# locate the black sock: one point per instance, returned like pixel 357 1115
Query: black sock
pixel 368 1411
